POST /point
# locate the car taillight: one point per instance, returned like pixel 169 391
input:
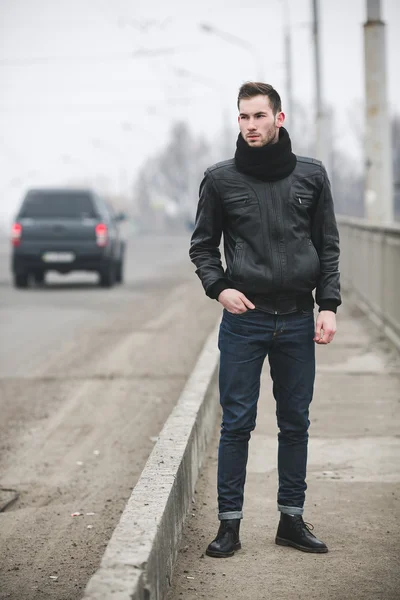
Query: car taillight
pixel 16 233
pixel 101 234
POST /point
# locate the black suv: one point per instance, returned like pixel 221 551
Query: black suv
pixel 66 230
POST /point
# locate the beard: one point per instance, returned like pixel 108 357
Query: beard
pixel 271 136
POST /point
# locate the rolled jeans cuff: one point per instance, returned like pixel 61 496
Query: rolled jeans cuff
pixel 290 510
pixel 237 514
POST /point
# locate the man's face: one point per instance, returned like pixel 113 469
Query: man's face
pixel 257 122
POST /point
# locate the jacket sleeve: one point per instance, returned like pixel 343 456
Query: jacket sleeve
pixel 204 248
pixel 325 237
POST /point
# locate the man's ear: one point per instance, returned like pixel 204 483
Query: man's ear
pixel 279 119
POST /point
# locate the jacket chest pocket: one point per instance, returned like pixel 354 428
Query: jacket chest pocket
pixel 241 207
pixel 305 200
pixel 302 207
pixel 239 200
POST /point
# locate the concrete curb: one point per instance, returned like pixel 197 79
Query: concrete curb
pixel 139 558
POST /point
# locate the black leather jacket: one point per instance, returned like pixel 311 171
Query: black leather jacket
pixel 280 238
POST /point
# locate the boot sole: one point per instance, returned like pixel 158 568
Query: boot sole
pixel 224 554
pixel 282 542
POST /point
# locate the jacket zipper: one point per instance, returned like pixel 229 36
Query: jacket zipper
pixel 278 231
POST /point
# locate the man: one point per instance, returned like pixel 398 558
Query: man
pixel 275 212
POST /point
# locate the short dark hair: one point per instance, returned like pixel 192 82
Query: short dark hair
pixel 255 88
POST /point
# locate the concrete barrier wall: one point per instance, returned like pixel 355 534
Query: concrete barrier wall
pixel 139 558
pixel 370 270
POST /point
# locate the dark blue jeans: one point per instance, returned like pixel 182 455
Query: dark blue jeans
pixel 244 342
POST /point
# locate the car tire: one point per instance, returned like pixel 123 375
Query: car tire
pixel 119 274
pixel 107 276
pixel 39 277
pixel 21 280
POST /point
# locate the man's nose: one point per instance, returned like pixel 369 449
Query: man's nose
pixel 251 124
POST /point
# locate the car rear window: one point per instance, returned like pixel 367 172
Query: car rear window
pixel 50 205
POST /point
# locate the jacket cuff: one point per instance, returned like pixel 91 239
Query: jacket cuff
pixel 216 288
pixel 328 305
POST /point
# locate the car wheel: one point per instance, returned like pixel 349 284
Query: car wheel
pixel 107 276
pixel 21 280
pixel 39 277
pixel 119 274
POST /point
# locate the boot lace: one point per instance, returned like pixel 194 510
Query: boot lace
pixel 300 525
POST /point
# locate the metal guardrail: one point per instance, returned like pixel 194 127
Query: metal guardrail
pixel 370 270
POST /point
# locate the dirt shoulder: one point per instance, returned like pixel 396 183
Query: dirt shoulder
pixel 77 433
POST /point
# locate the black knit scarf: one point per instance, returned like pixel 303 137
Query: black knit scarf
pixel 268 163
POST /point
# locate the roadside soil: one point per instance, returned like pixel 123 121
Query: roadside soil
pixel 77 427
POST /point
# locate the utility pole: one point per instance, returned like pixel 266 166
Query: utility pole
pixel 323 117
pixel 288 66
pixel 379 177
pixel 317 71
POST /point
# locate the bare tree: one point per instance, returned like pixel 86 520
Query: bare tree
pixel 166 190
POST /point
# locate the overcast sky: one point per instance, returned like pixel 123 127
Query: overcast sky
pixel 91 87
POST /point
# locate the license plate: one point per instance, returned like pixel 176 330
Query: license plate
pixel 58 257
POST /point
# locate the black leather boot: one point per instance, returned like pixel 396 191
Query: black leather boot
pixel 227 540
pixel 293 531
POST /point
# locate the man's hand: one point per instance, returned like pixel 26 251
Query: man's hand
pixel 325 327
pixel 234 301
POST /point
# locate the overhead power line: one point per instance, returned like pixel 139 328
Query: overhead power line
pixel 142 53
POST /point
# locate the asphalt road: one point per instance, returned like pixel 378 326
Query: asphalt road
pixel 88 376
